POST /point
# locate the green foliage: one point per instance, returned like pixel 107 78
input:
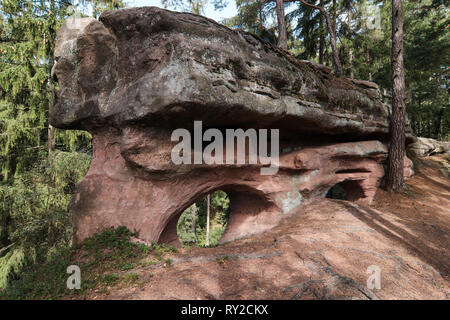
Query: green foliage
pixel 215 233
pixel 41 280
pixel 427 63
pixel 105 256
pixel 103 260
pixel 257 17
pixel 28 33
pixel 34 223
pixel 118 238
pixel 191 227
pixel 34 189
pixel 186 226
pixel 425 40
pixel 220 207
pixel 27 40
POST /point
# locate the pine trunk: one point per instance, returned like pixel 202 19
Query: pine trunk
pixel 51 129
pixel 322 36
pixel 335 55
pixel 394 178
pixel 282 33
pixel 350 53
pixel 208 205
pixel 332 31
pixel 368 62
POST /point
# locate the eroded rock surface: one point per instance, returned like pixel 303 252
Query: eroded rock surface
pixel 326 249
pixel 135 75
pixel 427 147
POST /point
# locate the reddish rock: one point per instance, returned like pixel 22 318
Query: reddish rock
pixel 323 250
pixel 135 75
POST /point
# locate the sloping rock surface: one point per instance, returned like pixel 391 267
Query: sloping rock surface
pixel 322 251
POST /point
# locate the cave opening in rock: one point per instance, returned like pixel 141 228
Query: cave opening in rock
pixel 350 190
pixel 192 223
pixel 236 211
pixel 336 192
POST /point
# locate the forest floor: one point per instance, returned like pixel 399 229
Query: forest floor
pixel 323 251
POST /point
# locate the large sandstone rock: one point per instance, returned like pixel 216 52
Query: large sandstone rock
pixel 427 147
pixel 135 75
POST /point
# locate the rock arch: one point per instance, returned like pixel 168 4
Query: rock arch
pixel 133 76
pixel 251 211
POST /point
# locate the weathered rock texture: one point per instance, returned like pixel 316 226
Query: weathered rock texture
pixel 427 147
pixel 321 251
pixel 135 75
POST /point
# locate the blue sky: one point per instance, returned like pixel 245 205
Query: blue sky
pixel 227 12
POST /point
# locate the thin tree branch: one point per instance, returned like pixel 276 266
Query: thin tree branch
pixel 311 5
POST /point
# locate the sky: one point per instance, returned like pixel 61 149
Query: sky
pixel 209 12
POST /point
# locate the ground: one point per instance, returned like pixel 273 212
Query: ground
pixel 322 251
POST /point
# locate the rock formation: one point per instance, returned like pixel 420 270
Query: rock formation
pixel 135 75
pixel 428 147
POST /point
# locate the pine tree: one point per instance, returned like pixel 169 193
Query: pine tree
pixel 331 25
pixel 208 216
pixel 282 33
pixel 394 177
pixel 34 193
pixel 27 38
pixel 27 90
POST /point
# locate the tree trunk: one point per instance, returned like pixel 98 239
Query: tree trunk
pixel 208 205
pixel 350 52
pixel 331 30
pixel 282 33
pixel 260 22
pixel 51 139
pixel 195 6
pixel 368 62
pixel 350 61
pixel 336 61
pixel 419 134
pixel 333 11
pixel 51 129
pixel 394 178
pixel 326 57
pixel 194 222
pixel 322 37
pixel 438 123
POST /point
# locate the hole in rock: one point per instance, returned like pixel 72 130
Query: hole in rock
pixel 350 190
pixel 236 211
pixel 190 227
pixel 192 224
pixel 336 192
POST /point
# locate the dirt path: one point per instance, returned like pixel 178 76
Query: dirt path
pixel 323 251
